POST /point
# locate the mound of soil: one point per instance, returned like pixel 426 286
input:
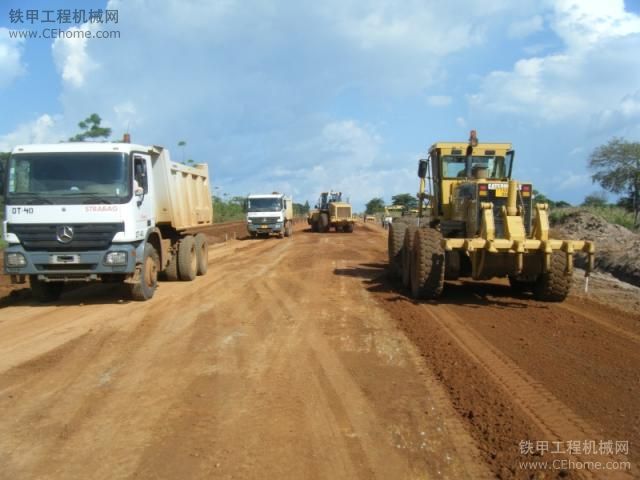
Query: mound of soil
pixel 617 248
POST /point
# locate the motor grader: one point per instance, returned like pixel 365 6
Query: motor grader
pixel 475 221
pixel 331 212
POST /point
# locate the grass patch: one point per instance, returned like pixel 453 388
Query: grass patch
pixel 612 214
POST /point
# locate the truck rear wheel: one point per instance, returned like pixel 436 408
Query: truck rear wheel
pixel 187 259
pixel 554 285
pixel 406 252
pixel 45 291
pixel 323 223
pixel 171 270
pixel 348 228
pixel 395 241
pixel 147 281
pixel 427 266
pixel 202 253
pixel 287 229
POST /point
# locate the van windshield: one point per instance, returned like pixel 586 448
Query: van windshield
pixel 69 178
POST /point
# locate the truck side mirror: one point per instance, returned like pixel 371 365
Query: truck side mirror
pixel 422 168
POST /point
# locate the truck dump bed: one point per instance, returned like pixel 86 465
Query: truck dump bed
pixel 183 196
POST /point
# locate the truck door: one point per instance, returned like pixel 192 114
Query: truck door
pixel 143 184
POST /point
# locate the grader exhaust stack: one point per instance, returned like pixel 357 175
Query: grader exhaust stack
pixel 480 223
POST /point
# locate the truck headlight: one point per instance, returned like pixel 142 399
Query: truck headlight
pixel 115 258
pixel 16 260
pixel 249 220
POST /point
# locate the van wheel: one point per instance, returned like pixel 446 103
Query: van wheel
pixel 187 259
pixel 202 253
pixel 45 291
pixel 147 282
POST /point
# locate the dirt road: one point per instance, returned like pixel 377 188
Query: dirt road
pixel 297 358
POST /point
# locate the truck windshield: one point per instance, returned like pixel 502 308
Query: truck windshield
pixel 69 178
pixel 264 204
pixel 453 166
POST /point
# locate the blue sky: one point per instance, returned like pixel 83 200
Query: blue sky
pixel 301 97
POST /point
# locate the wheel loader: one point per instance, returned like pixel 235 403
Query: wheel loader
pixel 331 212
pixel 475 221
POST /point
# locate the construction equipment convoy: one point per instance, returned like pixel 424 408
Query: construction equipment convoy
pixel 476 221
pixel 331 212
pixel 116 212
pixel 271 213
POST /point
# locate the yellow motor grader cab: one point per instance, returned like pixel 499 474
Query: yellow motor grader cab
pixel 332 211
pixel 475 221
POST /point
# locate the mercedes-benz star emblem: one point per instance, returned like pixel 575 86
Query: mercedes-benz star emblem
pixel 64 233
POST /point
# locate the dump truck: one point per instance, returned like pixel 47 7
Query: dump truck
pixel 475 221
pixel 110 212
pixel 270 214
pixel 331 212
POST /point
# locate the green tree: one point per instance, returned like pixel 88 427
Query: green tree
pixel 595 200
pixel 300 209
pixel 407 200
pixel 182 144
pixel 91 129
pixel 539 197
pixel 616 168
pixel 375 205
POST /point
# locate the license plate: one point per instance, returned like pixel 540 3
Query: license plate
pixel 264 226
pixel 502 192
pixel 64 259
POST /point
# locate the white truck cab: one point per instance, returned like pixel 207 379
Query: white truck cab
pixel 116 212
pixel 269 213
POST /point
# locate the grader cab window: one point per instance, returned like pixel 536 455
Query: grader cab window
pixel 453 166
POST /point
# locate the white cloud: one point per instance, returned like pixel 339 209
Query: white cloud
pixel 439 100
pixel 597 65
pixel 526 27
pixel 586 22
pixel 44 129
pixel 72 58
pixel 11 65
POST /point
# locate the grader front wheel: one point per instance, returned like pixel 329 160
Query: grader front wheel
pixel 554 285
pixel 395 242
pixel 407 251
pixel 427 264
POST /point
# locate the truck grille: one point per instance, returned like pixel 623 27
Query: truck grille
pixel 264 220
pixel 86 236
pixel 343 212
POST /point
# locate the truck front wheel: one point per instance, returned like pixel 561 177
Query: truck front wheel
pixel 187 259
pixel 45 291
pixel 147 282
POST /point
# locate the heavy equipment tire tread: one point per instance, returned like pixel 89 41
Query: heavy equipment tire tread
pixel 140 291
pixel 407 249
pixel 186 250
pixel 202 253
pixel 394 243
pixel 427 267
pixel 323 223
pixel 554 285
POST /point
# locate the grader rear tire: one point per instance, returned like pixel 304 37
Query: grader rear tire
pixel 394 243
pixel 407 250
pixel 427 266
pixel 554 285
